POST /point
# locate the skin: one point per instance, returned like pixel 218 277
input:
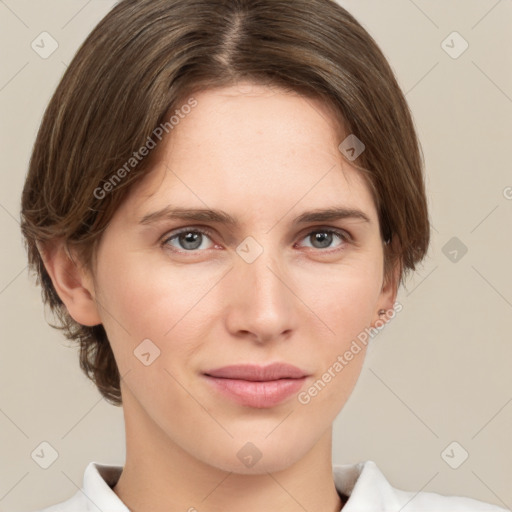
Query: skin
pixel 264 156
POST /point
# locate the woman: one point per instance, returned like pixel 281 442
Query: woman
pixel 223 197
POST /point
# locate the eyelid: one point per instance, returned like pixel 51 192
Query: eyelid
pixel 185 229
pixel 178 231
pixel 343 233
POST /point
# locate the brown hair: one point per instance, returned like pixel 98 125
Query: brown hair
pixel 144 59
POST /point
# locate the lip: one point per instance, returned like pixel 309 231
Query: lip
pixel 257 386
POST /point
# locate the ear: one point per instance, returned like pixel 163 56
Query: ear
pixel 72 283
pixel 388 292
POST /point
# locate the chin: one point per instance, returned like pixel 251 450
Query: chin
pixel 257 457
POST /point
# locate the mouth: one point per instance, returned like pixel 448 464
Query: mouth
pixel 257 386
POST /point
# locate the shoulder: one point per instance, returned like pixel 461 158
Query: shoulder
pixel 368 490
pixel 96 492
pixel 428 501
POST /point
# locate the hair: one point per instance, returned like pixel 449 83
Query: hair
pixel 144 60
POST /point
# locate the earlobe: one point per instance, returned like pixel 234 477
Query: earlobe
pixel 71 283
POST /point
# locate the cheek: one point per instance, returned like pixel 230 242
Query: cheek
pixel 346 305
pixel 142 294
pixel 343 297
pixel 155 300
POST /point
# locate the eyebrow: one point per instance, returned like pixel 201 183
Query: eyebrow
pixel 221 217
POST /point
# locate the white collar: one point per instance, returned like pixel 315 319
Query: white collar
pixel 364 483
pixel 366 487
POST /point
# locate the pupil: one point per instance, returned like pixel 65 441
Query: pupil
pixel 191 240
pixel 323 238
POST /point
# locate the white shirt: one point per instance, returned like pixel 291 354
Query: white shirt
pixel 366 486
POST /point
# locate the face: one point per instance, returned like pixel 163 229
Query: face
pixel 181 295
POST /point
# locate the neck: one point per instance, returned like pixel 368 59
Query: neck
pixel 160 476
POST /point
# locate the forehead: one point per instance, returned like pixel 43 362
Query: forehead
pixel 254 149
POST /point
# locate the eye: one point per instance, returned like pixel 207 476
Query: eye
pixel 194 239
pixel 324 238
pixel 188 239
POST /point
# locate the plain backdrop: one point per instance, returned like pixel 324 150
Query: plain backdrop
pixel 436 386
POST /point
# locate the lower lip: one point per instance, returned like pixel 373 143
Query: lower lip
pixel 259 394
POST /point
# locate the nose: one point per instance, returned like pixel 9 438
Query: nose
pixel 261 305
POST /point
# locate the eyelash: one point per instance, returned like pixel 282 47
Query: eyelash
pixel 342 234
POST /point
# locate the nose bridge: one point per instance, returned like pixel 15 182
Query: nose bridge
pixel 260 273
pixel 262 303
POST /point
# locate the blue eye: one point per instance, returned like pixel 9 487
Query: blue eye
pixel 323 238
pixel 188 239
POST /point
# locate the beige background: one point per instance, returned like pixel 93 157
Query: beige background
pixel 439 372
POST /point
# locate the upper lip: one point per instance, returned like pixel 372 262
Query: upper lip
pixel 252 372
